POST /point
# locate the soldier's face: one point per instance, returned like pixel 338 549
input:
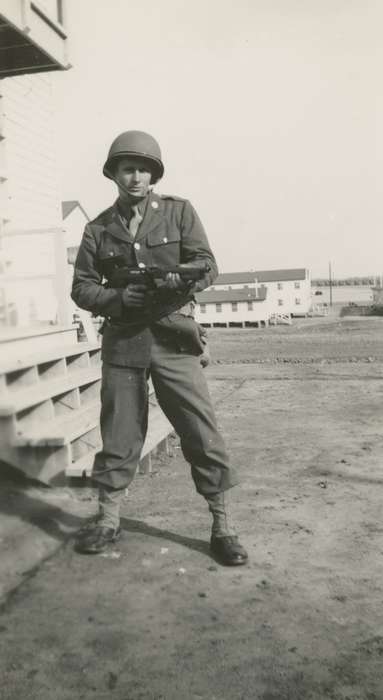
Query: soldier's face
pixel 132 177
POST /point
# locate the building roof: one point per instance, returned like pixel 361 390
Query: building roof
pixel 69 206
pixel 281 275
pixel 261 276
pixel 215 296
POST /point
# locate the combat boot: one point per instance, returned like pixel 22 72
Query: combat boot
pixel 97 539
pixel 224 543
pixel 103 530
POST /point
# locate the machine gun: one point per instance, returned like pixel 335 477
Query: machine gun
pixel 119 275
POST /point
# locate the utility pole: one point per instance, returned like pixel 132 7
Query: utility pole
pixel 330 282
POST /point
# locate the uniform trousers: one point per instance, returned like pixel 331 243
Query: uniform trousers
pixel 183 395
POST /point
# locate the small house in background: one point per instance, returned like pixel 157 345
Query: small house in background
pixel 288 291
pixel 75 219
pixel 244 308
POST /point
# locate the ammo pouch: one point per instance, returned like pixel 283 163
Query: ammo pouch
pixel 183 330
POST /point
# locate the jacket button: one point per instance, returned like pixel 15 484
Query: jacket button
pixel 137 246
pixel 141 265
pixel 165 240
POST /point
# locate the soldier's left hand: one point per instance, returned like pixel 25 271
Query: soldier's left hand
pixel 174 281
pixel 204 360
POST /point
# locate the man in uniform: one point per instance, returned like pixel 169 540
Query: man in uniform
pixel 144 334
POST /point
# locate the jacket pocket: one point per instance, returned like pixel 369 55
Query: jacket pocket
pixel 162 235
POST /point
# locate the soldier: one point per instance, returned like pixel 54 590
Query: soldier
pixel 149 229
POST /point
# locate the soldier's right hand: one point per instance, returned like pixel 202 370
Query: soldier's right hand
pixel 134 295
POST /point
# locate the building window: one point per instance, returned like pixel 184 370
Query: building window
pixel 234 306
pixel 280 302
pixel 202 308
pixel 297 301
pixel 280 285
pixel 218 308
pixel 297 285
pixel 249 305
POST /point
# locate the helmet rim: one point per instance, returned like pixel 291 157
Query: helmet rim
pixel 157 168
pixel 144 141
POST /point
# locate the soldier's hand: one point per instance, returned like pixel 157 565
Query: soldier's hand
pixel 174 281
pixel 204 360
pixel 134 295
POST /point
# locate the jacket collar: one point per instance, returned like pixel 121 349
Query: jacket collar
pixel 114 225
pixel 154 213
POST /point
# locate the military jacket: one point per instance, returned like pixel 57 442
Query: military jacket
pixel 170 233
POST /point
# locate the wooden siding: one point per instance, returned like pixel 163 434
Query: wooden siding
pixel 30 162
pixel 33 285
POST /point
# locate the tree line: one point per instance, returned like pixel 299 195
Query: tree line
pixel 348 281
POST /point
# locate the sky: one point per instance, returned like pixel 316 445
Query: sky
pixel 266 112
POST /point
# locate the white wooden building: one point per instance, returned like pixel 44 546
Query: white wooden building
pixel 378 295
pixel 33 40
pixel 233 307
pixel 288 291
pixel 31 235
pixel 49 382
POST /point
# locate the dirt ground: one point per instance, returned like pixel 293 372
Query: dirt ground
pixel 156 618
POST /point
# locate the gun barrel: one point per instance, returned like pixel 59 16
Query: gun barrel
pixel 121 276
pixel 187 272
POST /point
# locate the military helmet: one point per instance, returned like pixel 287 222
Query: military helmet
pixel 135 143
